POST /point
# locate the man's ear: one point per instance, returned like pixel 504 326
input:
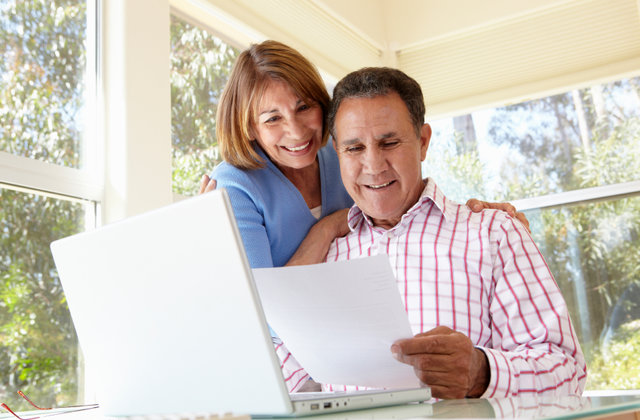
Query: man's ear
pixel 425 137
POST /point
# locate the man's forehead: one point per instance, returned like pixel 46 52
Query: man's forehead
pixel 381 116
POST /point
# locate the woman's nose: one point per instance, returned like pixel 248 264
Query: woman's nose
pixel 296 128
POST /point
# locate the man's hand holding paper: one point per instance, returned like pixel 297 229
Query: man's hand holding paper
pixel 339 320
pixel 447 361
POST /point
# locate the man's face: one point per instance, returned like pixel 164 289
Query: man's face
pixel 380 156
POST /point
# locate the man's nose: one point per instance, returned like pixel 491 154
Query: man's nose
pixel 374 161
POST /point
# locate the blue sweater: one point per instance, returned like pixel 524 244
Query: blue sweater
pixel 272 215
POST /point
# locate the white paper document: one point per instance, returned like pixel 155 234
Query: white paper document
pixel 339 320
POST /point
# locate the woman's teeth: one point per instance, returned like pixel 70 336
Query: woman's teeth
pixel 297 149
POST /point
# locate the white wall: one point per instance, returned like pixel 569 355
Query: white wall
pixel 137 106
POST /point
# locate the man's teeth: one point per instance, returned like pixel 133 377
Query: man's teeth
pixel 375 187
pixel 297 149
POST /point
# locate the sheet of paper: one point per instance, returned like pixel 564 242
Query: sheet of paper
pixel 339 320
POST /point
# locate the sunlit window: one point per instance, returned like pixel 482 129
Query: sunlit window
pixel 566 147
pixel 200 66
pixel 44 50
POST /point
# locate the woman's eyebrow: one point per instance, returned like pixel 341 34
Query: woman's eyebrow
pixel 268 111
pixel 271 111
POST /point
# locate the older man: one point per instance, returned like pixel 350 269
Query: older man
pixel 488 316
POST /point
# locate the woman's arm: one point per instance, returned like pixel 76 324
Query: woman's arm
pixel 315 245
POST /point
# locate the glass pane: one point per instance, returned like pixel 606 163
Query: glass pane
pixel 594 253
pixel 200 66
pixel 582 138
pixel 38 344
pixel 42 65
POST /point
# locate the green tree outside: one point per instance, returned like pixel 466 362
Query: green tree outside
pixel 200 67
pixel 41 95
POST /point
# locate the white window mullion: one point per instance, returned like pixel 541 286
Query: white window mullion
pixel 579 196
pixel 26 173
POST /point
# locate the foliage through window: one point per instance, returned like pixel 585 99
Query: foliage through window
pixel 568 142
pixel 200 66
pixel 41 84
pixel 42 66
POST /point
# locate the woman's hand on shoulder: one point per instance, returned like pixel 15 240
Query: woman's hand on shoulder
pixel 477 206
pixel 337 222
pixel 206 184
pixel 314 247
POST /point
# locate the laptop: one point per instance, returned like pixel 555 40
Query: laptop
pixel 169 319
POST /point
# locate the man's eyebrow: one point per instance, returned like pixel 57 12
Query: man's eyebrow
pixel 388 135
pixel 350 142
pixel 356 140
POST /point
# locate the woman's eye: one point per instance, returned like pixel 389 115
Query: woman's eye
pixel 303 107
pixel 272 119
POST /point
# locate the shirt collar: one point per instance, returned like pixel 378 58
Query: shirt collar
pixel 431 195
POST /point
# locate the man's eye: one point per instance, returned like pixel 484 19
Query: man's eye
pixel 390 143
pixel 353 149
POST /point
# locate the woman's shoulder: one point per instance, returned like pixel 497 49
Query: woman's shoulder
pixel 251 182
pixel 226 172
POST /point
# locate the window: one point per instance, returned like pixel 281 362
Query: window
pixel 42 68
pixel 572 161
pixel 47 80
pixel 200 66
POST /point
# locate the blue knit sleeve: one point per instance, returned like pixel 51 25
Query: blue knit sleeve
pixel 249 213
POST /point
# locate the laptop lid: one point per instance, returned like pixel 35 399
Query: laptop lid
pixel 167 314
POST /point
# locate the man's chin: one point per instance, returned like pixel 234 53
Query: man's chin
pixel 382 219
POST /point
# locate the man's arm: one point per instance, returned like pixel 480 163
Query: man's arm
pixel 294 375
pixel 533 345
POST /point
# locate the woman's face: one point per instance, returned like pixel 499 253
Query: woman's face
pixel 287 128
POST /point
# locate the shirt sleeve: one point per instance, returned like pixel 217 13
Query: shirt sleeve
pixel 534 348
pixel 294 375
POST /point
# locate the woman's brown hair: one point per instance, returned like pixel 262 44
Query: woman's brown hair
pixel 253 69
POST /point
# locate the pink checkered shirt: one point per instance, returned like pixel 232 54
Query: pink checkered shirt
pixel 482 275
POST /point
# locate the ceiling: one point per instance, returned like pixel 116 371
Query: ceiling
pixel 466 54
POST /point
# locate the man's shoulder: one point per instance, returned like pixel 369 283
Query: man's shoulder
pixel 487 219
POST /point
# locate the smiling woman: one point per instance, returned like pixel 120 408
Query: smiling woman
pixel 278 169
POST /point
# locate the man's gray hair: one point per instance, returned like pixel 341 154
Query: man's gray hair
pixel 370 82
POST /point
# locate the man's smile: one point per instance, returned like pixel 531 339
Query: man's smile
pixel 378 186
